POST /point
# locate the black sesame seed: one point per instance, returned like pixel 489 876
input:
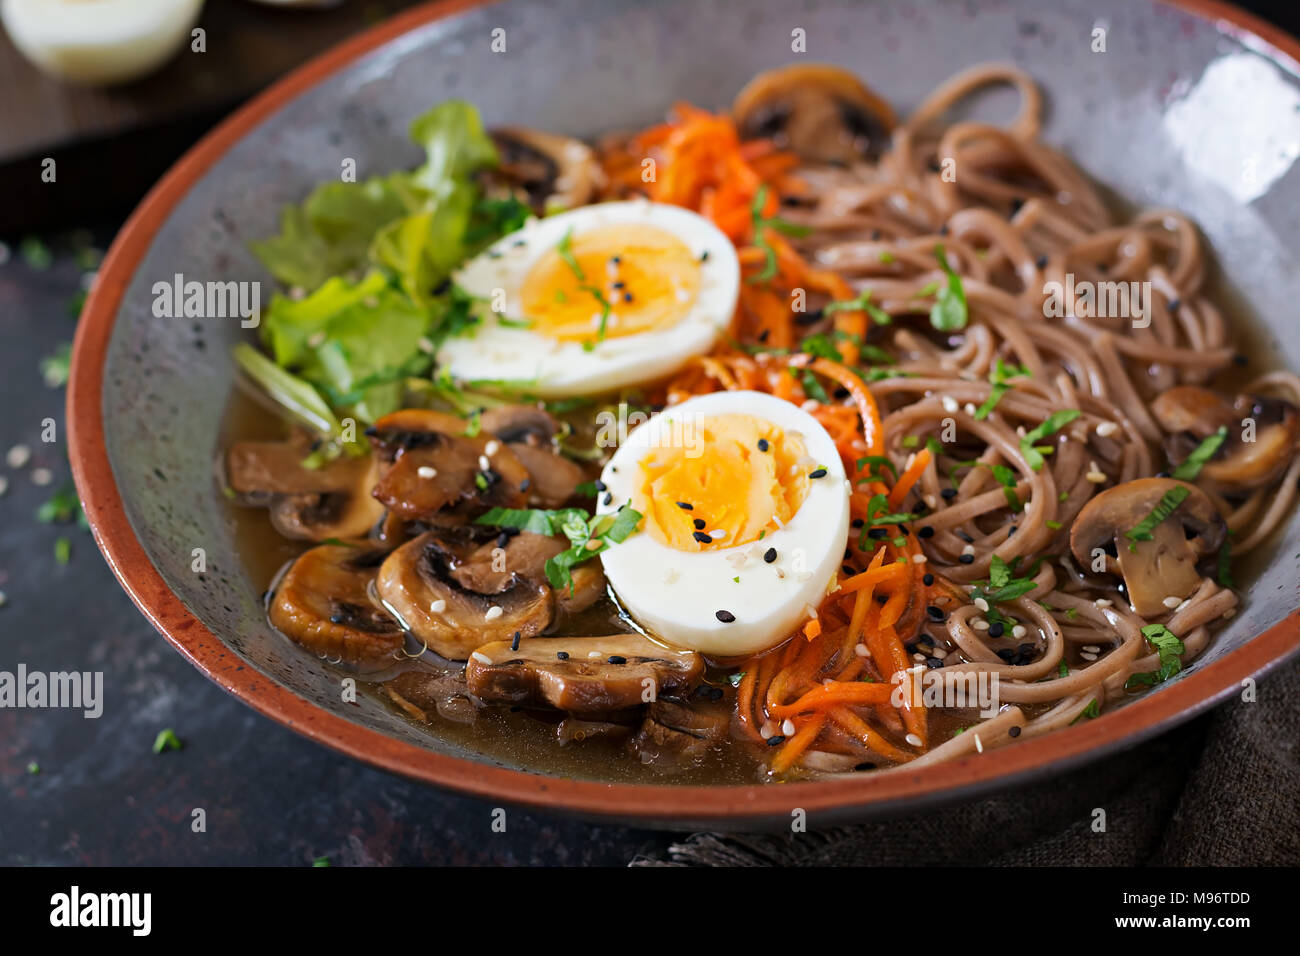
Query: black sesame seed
pixel 876 533
pixel 503 539
pixel 704 256
pixel 967 559
pixel 1174 304
pixel 600 485
pixel 769 555
pixel 1042 262
pixel 927 579
pixel 616 659
pixel 685 507
pixel 562 655
pixel 1013 732
pixel 935 612
pixel 857 522
pixel 933 662
pixel 609 498
pixel 996 629
pixel 701 537
pixel 776 741
pixel 847 570
pixel 627 296
pixel 819 473
pixel 1028 649
pixel 1007 655
pixel 865 765
pixel 948 494
pixel 763 445
pixel 514 641
pixel 699 524
pixel 925 531
pixel 525 484
pixel 762 336
pixel 1240 359
pixel 965 537
pixel 715 693
pixel 726 617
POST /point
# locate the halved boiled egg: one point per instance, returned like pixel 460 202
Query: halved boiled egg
pixel 99 41
pixel 600 297
pixel 746 511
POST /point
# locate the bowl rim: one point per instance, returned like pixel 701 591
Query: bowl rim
pixel 676 806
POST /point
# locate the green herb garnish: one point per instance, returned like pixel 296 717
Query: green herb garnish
pixel 949 312
pixel 575 524
pixel 166 740
pixel 1191 466
pixel 1029 446
pixel 1170 649
pixel 1166 506
pixel 761 224
pixel 1001 377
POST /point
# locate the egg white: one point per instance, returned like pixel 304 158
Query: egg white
pixel 553 369
pixel 675 595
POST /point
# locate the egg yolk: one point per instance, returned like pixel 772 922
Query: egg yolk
pixel 720 482
pixel 646 276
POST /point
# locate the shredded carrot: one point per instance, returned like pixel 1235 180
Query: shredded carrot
pixel 812 629
pixel 909 478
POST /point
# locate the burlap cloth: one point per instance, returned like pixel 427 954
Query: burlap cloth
pixel 1223 789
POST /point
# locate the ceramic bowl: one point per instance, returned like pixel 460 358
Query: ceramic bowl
pixel 1193 104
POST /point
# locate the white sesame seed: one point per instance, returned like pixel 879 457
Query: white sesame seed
pixel 1019 631
pixel 979 744
pixel 591 654
pixel 970 408
pixel 1106 429
pixel 767 730
pixel 1095 474
pixel 982 604
pixel 1103 602
pixel 969 549
pixel 919 559
pixel 483 463
pixel 42 476
pixel 18 456
pixel 492 447
pixel 919 658
pixel 860 650
pixel 914 740
pixel 1172 601
pixel 979 624
pixel 803 576
pixel 787 728
pixel 1091 648
pixel 1088 657
pixel 717 534
pixel 810 611
pixel 950 404
pixel 427 471
pixel 481 658
pixel 438 606
pixel 493 613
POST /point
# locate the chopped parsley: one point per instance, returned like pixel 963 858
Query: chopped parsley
pixel 1002 585
pixel 575 524
pixel 565 250
pixel 949 312
pixel 877 463
pixel 1225 565
pixel 1090 712
pixel 1166 506
pixel 862 303
pixel 1001 377
pixel 1191 466
pixel 761 224
pixel 1170 649
pixel 1029 446
pixel 166 740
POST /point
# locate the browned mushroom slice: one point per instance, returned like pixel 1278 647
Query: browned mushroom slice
pixel 588 587
pixel 1162 566
pixel 1191 414
pixel 422 693
pixel 338 514
pixel 530 432
pixel 419 583
pixel 823 113
pixel 323 603
pixel 581 675
pixel 276 467
pixel 675 733
pixel 548 171
pixel 575 729
pixel 430 466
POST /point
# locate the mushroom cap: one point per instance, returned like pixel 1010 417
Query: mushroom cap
pixel 1191 413
pixel 1162 566
pixel 821 112
pixel 431 571
pixel 322 602
pixel 550 170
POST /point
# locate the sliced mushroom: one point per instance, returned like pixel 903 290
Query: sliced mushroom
pixel 323 603
pixel 418 581
pixel 675 733
pixel 492 567
pixel 423 693
pixel 530 432
pixel 311 504
pixel 822 113
pixel 588 587
pixel 1155 569
pixel 1191 414
pixel 581 675
pixel 575 729
pixel 431 471
pixel 548 171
